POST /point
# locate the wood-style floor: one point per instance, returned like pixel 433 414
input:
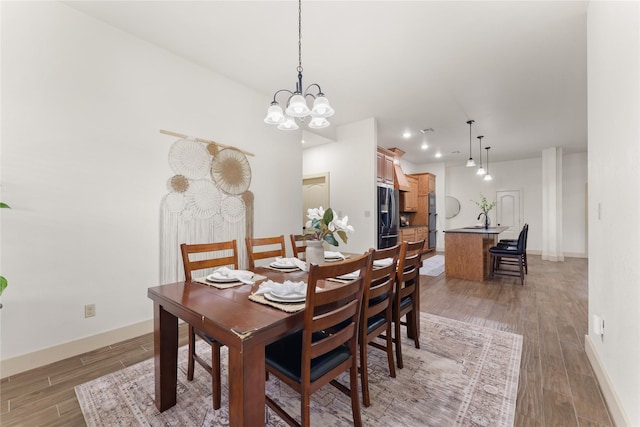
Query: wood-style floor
pixel 557 386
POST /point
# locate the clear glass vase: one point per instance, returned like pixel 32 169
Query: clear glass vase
pixel 314 254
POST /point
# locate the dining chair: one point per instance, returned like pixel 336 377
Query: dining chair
pixel 511 243
pixel 298 245
pixel 376 318
pixel 516 253
pixel 327 345
pixel 206 256
pixel 271 247
pixel 407 294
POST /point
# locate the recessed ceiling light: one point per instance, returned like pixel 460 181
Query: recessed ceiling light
pixel 438 155
pixel 406 134
pixel 302 141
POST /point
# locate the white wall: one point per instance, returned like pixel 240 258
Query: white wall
pixel 613 69
pixel 84 168
pixel 351 163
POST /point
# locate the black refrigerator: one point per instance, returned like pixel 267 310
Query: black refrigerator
pixel 388 217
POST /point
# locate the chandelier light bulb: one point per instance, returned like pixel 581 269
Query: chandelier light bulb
pixel 298 107
pixel 288 124
pixel 275 116
pixel 488 177
pixel 470 162
pixel 424 145
pixel 318 123
pixel 321 107
pixel 481 171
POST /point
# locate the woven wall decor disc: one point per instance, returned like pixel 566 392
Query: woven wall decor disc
pixel 230 169
pixel 203 199
pixel 174 202
pixel 232 209
pixel 178 183
pixel 189 158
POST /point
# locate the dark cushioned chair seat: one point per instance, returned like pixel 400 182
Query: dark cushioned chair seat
pixel 375 322
pixel 286 356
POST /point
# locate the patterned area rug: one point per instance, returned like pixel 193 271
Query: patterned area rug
pixel 463 375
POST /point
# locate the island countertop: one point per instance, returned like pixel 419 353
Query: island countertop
pixel 478 229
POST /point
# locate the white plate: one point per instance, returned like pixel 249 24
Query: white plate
pixel 219 278
pixel 287 298
pixel 276 264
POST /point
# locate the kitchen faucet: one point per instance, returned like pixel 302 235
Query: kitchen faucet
pixel 486 219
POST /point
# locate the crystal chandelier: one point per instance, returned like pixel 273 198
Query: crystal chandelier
pixel 296 106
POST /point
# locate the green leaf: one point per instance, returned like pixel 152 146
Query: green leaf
pixel 3 284
pixel 343 235
pixel 328 216
pixel 331 240
pixel 4 205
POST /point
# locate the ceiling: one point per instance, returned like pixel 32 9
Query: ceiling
pixel 517 68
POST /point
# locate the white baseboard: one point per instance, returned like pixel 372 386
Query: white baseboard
pixel 608 391
pixel 49 355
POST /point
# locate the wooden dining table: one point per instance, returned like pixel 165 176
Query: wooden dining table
pixel 227 315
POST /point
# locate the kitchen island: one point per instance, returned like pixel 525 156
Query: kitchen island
pixel 466 251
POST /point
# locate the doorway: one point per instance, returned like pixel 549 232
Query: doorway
pixel 315 193
pixel 509 213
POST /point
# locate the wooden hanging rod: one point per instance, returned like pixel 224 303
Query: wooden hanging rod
pixel 206 141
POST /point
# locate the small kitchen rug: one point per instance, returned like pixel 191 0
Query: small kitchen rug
pixel 462 375
pixel 433 266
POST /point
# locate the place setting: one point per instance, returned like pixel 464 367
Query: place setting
pixel 288 296
pixel 224 277
pixel 287 265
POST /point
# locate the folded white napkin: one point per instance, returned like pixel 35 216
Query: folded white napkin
pixel 384 262
pixel 291 262
pixel 330 255
pixel 282 289
pixel 234 274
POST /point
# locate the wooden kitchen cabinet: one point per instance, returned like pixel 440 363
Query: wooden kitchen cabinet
pixel 385 166
pixel 407 235
pixel 409 199
pixel 422 233
pixel 426 183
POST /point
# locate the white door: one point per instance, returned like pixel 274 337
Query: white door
pixel 315 193
pixel 508 213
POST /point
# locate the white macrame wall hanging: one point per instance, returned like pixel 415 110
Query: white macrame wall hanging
pixel 208 201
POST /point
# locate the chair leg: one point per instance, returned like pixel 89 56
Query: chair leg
pixel 305 409
pixel 521 273
pixel 216 387
pixel 389 338
pixel 192 351
pixel 492 265
pixel 526 266
pixel 355 400
pixel 412 325
pixel 398 340
pixel 364 372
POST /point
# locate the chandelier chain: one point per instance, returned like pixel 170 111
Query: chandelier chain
pixel 299 35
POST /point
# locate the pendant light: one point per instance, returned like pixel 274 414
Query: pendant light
pixel 480 169
pixel 296 106
pixel 470 162
pixel 488 176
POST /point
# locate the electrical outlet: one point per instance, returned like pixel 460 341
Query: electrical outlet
pixel 89 310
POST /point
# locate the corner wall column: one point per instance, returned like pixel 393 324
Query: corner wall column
pixel 552 248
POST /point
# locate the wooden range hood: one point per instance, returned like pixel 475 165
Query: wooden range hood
pixel 401 181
